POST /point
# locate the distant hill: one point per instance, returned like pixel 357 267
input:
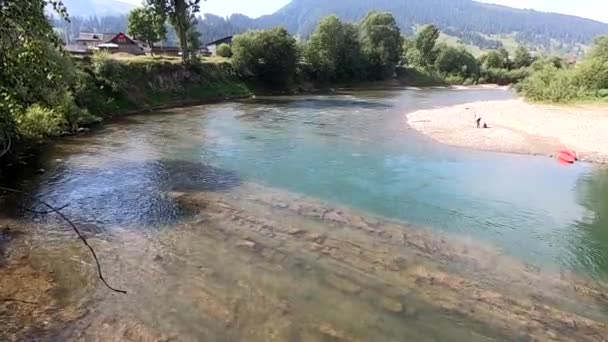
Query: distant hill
pixel 473 22
pixel 99 8
pixel 478 25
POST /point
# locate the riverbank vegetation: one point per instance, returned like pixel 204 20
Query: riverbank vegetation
pixel 554 81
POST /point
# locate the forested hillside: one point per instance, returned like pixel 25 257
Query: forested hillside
pixel 483 25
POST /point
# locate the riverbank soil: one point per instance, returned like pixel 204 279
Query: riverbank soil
pixel 260 264
pixel 519 127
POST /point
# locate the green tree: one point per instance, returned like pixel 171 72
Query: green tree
pixel 456 61
pixel 600 48
pixel 493 60
pixel 425 42
pixel 523 58
pixel 180 14
pixel 333 51
pixel 268 55
pixel 224 50
pixel 34 71
pixel 147 24
pixel 381 43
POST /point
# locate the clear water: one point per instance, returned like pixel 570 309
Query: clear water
pixel 354 150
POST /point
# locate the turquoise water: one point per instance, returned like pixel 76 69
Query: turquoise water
pixel 354 150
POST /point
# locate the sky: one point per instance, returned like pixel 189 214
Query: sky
pixel 594 9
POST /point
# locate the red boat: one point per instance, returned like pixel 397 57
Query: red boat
pixel 567 155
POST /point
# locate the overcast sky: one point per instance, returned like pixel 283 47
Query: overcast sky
pixel 594 9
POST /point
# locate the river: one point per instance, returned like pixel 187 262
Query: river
pixel 322 218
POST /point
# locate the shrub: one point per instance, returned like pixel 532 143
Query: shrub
pixel 551 84
pixel 224 50
pixel 503 76
pixel 38 122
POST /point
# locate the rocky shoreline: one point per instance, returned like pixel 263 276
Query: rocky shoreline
pixel 260 264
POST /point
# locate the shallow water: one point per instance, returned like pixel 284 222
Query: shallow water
pixel 297 225
pixel 354 150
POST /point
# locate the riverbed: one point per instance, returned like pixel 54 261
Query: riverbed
pixel 313 218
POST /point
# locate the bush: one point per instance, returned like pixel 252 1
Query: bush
pixel 224 50
pixel 503 76
pixel 39 122
pixel 551 84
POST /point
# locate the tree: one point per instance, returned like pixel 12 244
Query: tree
pixel 494 60
pixel 425 42
pixel 148 25
pixel 269 55
pixel 333 51
pixel 523 58
pixel 224 50
pixel 34 70
pixel 456 61
pixel 180 14
pixel 600 48
pixel 381 43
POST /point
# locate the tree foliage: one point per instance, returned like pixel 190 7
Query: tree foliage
pixel 552 81
pixel 523 58
pixel 456 62
pixel 180 14
pixel 494 60
pixel 224 50
pixel 37 79
pixel 147 24
pixel 381 43
pixel 333 51
pixel 425 42
pixel 268 55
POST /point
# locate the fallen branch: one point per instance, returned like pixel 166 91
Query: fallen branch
pixel 76 230
pixel 43 212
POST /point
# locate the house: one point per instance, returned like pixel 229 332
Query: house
pixel 112 42
pixel 212 47
pixel 166 50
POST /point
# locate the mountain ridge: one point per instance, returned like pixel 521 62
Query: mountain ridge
pixel 487 26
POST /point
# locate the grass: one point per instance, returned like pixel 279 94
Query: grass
pixel 454 41
pixel 144 59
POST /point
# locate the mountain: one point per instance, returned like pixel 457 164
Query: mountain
pixel 474 24
pixel 460 18
pixel 99 8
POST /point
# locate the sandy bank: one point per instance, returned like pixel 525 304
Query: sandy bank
pixel 519 127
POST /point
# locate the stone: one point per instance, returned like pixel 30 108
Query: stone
pixel 246 243
pixel 335 217
pixel 342 284
pixel 391 305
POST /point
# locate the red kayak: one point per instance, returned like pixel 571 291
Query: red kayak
pixel 567 155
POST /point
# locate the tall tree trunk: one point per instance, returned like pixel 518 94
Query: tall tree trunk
pixel 181 15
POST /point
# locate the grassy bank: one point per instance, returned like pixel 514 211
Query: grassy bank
pixel 115 86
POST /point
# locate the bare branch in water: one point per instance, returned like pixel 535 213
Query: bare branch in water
pixel 40 212
pixel 76 230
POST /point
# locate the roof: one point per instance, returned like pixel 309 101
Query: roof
pixel 102 37
pixel 95 37
pixel 220 41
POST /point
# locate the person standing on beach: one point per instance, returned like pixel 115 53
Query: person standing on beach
pixel 477 119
